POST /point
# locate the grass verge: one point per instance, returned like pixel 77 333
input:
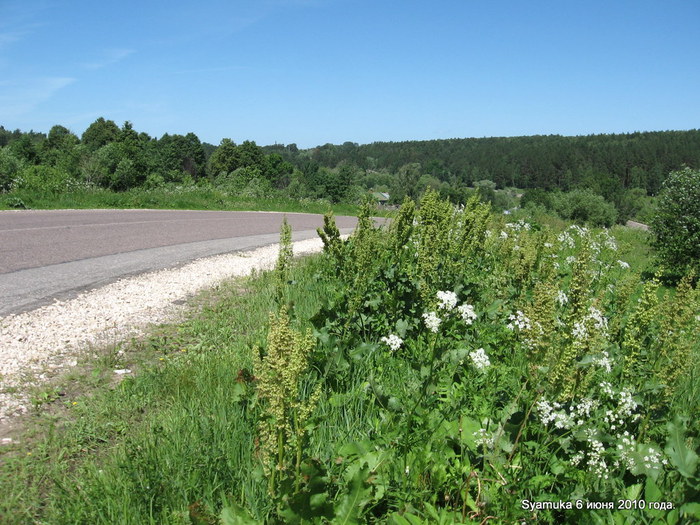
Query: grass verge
pixel 159 446
pixel 177 197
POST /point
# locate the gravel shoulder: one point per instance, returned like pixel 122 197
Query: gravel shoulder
pixel 42 343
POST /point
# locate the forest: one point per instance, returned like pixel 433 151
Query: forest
pixel 607 178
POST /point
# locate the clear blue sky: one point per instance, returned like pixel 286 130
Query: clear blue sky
pixel 318 71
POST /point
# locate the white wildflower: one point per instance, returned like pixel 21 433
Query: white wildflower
pixel 603 361
pixel 566 240
pixel 394 342
pixel 623 264
pixel 580 332
pixel 483 438
pixel 611 244
pixel 480 359
pixel 448 300
pixel 518 226
pixel 607 388
pixel 432 321
pixel 570 259
pixel 519 321
pixel 466 311
pixel 600 323
pixel 562 299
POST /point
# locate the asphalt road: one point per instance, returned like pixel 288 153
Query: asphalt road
pixel 55 254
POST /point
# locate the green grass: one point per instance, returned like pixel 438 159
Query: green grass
pixel 187 197
pixel 166 438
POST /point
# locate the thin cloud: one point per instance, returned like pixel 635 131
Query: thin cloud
pixel 18 98
pixel 219 69
pixel 18 21
pixel 109 57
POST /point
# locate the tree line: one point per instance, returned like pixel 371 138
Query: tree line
pixel 120 158
pixel 598 178
pixel 602 162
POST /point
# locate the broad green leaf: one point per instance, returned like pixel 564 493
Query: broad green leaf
pixel 690 509
pixel 235 515
pixel 349 507
pixel 401 327
pixel 680 456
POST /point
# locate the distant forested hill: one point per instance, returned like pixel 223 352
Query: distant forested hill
pixel 599 162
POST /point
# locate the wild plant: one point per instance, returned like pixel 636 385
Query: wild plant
pixel 330 236
pixel 679 336
pixel 286 407
pixel 284 260
pixel 640 332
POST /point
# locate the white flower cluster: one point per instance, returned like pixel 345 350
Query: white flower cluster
pixel 581 231
pixel 562 299
pixel 519 321
pixel 624 412
pixel 480 359
pixel 448 300
pixel 576 415
pixel 595 320
pixel 629 451
pixel 432 321
pixel 570 259
pixel 566 240
pixel 604 361
pixel 518 226
pixel 607 389
pixel 596 461
pixel 654 459
pixel 599 321
pixel 579 331
pixel 610 242
pixel 393 341
pixel 466 311
pixel 503 235
pixel 626 447
pixel 623 264
pixel 484 439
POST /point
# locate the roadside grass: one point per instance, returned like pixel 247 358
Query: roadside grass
pixel 175 197
pixel 160 445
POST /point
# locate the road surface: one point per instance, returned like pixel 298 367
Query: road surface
pixel 56 254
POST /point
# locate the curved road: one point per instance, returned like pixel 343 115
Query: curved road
pixel 55 254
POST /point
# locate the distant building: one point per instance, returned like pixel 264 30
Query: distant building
pixel 381 197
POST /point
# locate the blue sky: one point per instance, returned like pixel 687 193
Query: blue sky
pixel 318 71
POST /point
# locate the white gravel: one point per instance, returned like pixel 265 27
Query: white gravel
pixel 37 345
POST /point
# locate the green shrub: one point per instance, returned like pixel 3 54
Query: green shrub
pixel 584 207
pixel 41 179
pixel 676 224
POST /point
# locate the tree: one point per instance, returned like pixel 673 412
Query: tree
pixel 59 150
pixel 225 159
pixel 407 182
pixel 100 133
pixel 676 225
pixel 10 166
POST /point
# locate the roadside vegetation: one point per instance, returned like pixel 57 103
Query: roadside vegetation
pixel 456 367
